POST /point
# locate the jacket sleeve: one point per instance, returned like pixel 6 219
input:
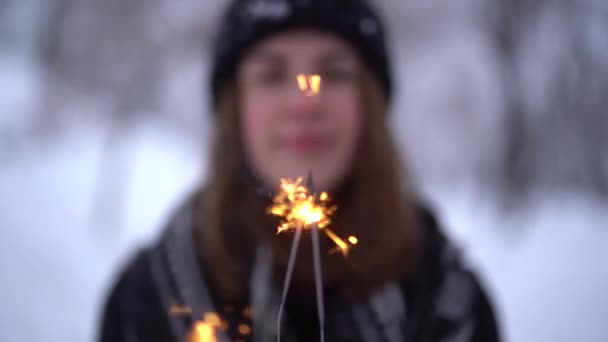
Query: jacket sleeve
pixel 486 328
pixel 113 324
pixel 452 304
pixel 133 312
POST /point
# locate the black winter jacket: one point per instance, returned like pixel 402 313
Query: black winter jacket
pixel 443 301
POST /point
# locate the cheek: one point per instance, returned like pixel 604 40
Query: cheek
pixel 252 128
pixel 256 124
pixel 349 117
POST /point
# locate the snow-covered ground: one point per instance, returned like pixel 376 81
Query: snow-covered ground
pixel 62 237
pixel 544 267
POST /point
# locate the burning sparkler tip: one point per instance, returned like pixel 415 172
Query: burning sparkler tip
pixel 204 330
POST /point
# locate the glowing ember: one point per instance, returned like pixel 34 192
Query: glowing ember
pixel 339 242
pixel 180 310
pixel 204 331
pixel 248 312
pixel 300 209
pixel 244 329
pixel 309 84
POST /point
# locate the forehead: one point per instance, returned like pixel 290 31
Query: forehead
pixel 303 45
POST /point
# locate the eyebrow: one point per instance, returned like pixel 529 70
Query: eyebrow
pixel 268 57
pixel 335 56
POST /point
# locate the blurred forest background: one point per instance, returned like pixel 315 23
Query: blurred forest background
pixel 501 112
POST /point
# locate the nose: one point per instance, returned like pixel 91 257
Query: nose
pixel 304 98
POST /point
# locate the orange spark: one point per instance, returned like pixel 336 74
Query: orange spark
pixel 204 331
pixel 300 209
pixel 309 84
pixel 244 329
pixel 339 242
pixel 302 82
pixel 248 312
pixel 315 84
pixel 180 310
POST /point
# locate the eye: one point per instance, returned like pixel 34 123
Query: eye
pixel 270 77
pixel 339 74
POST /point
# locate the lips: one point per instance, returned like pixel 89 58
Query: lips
pixel 306 143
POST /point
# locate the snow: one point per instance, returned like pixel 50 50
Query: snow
pixel 57 260
pixel 543 265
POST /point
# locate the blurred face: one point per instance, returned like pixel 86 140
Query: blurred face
pixel 289 129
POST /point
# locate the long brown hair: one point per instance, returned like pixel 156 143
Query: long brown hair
pixel 374 204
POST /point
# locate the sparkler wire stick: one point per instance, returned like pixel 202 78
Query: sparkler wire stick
pixel 302 210
pixel 318 281
pixel 316 254
pixel 290 266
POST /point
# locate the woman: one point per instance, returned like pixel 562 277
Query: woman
pixel 403 281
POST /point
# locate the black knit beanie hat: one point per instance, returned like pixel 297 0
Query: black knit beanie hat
pixel 247 22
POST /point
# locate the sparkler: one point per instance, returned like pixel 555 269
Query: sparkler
pixel 318 276
pixel 204 330
pixel 301 210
